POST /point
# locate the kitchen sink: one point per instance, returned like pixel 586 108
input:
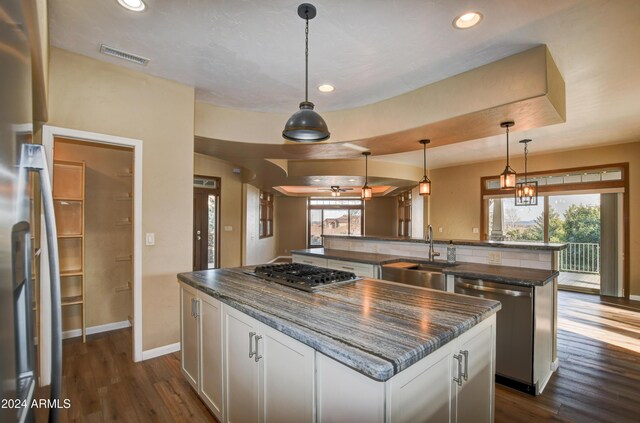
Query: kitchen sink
pixel 425 275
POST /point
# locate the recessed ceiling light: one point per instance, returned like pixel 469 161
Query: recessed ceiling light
pixel 326 88
pixel 467 20
pixel 352 180
pixel 316 180
pixel 135 5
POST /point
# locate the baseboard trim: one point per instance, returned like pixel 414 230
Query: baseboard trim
pixel 157 352
pixel 634 297
pixel 279 257
pixel 555 364
pixel 74 333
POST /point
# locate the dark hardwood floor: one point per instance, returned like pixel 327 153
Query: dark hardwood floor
pixel 598 379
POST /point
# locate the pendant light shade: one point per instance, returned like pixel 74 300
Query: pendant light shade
pixel 367 193
pixel 424 186
pixel 508 175
pixel 306 125
pixel 527 191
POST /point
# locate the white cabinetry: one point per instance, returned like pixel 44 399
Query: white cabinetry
pixel 360 269
pixel 270 376
pixel 427 391
pixel 314 261
pixel 474 370
pixel 201 340
pixel 189 335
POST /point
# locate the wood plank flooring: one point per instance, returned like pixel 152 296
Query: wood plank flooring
pixel 599 375
pixel 598 379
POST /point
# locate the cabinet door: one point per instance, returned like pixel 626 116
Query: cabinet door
pixel 211 381
pixel 360 269
pixel 189 335
pixel 287 378
pixel 314 261
pixel 475 398
pixel 422 393
pixel 242 373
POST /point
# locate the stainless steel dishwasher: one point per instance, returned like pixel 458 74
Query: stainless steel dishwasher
pixel 514 329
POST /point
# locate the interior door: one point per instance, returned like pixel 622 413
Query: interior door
pixel 206 222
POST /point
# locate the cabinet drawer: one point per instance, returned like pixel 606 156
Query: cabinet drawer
pixel 314 261
pixel 360 269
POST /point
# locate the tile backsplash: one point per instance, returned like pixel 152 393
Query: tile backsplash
pixel 531 259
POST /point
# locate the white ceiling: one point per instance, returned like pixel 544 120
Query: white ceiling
pixel 250 55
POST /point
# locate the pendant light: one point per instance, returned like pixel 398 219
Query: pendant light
pixel 508 175
pixel 366 189
pixel 306 125
pixel 527 191
pixel 424 186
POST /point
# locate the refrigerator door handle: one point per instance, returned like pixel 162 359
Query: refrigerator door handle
pixel 33 159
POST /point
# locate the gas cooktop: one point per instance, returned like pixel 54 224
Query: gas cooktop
pixel 304 276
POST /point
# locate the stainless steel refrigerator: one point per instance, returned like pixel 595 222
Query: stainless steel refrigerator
pixel 21 163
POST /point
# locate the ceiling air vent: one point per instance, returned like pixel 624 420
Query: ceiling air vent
pixel 110 51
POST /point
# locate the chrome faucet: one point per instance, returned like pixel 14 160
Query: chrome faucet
pixel 428 237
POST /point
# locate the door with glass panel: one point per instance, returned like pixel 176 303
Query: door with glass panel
pixel 334 217
pixel 206 222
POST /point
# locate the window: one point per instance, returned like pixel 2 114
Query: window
pixel 333 217
pixel 404 214
pixel 266 215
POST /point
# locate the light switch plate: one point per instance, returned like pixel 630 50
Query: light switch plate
pixel 150 239
pixel 476 230
pixel 228 228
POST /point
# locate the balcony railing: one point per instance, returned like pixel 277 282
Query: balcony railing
pixel 580 257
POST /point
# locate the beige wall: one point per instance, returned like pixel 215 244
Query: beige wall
pixel 230 207
pixel 256 250
pixel 105 240
pixel 455 202
pixel 291 224
pixel 89 95
pixel 381 216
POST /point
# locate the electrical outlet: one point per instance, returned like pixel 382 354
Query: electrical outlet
pixel 476 230
pixel 440 229
pixel 494 258
pixel 228 228
pixel 150 239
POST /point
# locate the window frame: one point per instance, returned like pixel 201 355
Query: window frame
pixel 348 207
pixel 404 213
pixel 265 215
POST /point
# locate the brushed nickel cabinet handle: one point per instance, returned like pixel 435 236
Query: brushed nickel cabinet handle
pixel 458 379
pixel 258 356
pixel 251 335
pixel 465 374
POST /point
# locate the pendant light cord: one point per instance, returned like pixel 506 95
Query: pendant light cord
pixel 424 161
pixel 366 170
pixel 526 151
pixel 306 59
pixel 507 146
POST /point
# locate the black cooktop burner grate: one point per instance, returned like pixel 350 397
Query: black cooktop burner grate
pixel 304 276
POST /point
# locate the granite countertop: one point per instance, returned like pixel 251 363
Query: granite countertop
pixel 505 274
pixel 539 246
pixel 374 327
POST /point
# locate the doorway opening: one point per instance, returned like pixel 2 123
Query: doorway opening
pixel 572 219
pixel 133 221
pixel 206 222
pixel 585 208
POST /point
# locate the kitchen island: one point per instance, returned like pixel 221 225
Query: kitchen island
pixel 364 351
